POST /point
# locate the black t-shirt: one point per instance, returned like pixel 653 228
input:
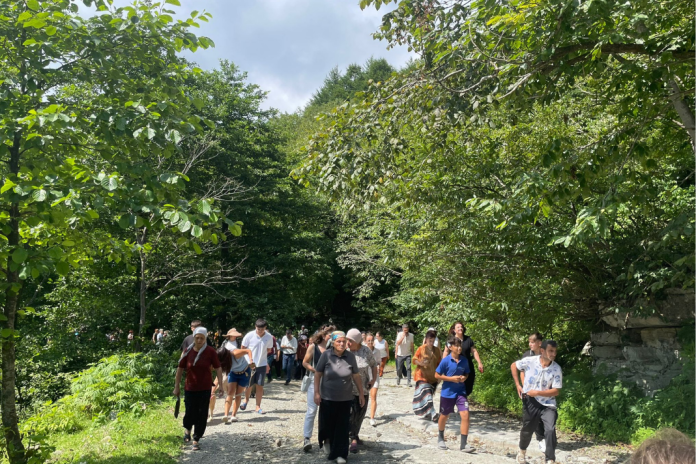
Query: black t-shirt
pixel 529 353
pixel 467 345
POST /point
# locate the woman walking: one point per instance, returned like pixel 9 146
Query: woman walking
pixel 314 352
pixel 382 346
pixel 197 360
pixel 370 343
pixel 457 329
pixel 426 359
pixel 334 395
pixel 367 368
pixel 238 371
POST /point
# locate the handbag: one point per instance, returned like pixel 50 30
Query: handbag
pixel 309 376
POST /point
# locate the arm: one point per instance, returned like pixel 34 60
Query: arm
pixel 361 393
pixel 400 339
pixel 446 352
pixel 239 352
pixel 478 359
pixel 412 346
pixel 386 348
pixel 375 375
pixel 307 361
pixel 516 378
pixel 177 381
pixel 547 393
pixel 317 382
pixel 457 379
pixel 219 376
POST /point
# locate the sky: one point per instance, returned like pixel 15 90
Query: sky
pixel 289 46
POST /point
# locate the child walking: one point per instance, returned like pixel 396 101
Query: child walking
pixel 453 371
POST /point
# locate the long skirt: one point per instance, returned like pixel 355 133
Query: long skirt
pixel 423 399
pixel 334 426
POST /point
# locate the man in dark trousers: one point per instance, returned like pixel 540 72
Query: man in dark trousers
pixel 542 383
pixel 535 340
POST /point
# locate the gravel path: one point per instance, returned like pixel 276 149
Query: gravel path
pixel 398 437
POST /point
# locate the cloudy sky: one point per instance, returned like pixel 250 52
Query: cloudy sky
pixel 289 46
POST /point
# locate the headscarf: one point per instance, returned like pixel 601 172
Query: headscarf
pixel 199 330
pixel 337 334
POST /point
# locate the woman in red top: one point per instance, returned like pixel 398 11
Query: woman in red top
pixel 197 360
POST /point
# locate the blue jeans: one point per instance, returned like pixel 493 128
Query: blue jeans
pixel 288 365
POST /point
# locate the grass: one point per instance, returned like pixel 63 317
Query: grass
pixel 153 438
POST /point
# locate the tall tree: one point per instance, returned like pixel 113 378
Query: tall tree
pixel 87 105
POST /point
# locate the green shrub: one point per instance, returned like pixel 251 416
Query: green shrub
pixel 642 434
pixel 496 389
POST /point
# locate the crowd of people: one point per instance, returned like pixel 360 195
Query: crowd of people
pixel 341 374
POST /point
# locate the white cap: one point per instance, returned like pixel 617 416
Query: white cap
pixel 200 330
pixel 432 328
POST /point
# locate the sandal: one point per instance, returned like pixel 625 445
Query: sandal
pixel 187 437
pixel 196 446
pixel 242 406
pixel 260 411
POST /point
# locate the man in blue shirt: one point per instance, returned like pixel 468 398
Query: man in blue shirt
pixel 453 371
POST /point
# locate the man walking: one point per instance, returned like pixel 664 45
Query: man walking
pixel 404 351
pixel 259 341
pixel 535 340
pixel 542 383
pixel 288 346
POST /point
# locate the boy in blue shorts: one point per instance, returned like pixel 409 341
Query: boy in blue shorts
pixel 453 371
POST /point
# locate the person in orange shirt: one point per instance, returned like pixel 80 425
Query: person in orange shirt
pixel 426 359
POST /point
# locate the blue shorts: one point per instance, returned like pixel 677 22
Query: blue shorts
pixel 447 404
pixel 242 379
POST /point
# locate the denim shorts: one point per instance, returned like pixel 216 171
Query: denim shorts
pixel 242 379
pixel 447 404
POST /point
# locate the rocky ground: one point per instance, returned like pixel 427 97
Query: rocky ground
pixel 398 437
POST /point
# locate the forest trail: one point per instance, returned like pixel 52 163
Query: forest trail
pixel 398 437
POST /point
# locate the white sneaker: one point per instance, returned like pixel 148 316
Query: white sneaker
pixel 521 459
pixel 550 462
pixel 233 419
pixel 340 460
pixel 373 422
pixel 225 419
pixel 468 449
pixel 542 445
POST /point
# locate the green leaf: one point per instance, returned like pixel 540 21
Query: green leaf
pixel 6 333
pixel 198 103
pixel 173 2
pixel 33 5
pixel 110 183
pixel 184 226
pixel 196 248
pixel 8 185
pixel 39 195
pixel 19 255
pixel 196 231
pixel 204 207
pixel 51 30
pixel 63 268
pixel 127 220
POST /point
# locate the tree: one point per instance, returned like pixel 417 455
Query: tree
pixel 88 105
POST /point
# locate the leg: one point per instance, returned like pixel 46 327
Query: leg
pixel 357 416
pixel 549 417
pixel 539 432
pixel 530 417
pixel 231 389
pixel 211 405
pixel 464 425
pixel 237 399
pixel 200 420
pixel 469 382
pixel 381 366
pixel 188 414
pixel 373 402
pixel 259 396
pixel 311 412
pixel 399 366
pixel 339 440
pixel 407 365
pixel 446 408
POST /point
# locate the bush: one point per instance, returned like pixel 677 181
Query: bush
pixel 495 388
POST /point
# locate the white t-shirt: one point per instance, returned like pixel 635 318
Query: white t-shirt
pixel 259 347
pixel 231 346
pixel 404 349
pixel 292 343
pixel 538 377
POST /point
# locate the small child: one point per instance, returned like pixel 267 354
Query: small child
pixel 453 371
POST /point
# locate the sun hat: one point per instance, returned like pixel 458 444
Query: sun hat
pixel 233 333
pixel 355 335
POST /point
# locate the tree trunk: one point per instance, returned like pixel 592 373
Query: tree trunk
pixel 142 239
pixel 683 110
pixel 10 421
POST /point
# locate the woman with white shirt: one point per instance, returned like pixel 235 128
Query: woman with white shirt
pixel 382 347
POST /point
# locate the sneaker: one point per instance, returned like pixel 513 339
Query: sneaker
pixel 373 422
pixel 287 382
pixel 225 419
pixel 398 381
pixel 233 419
pixel 542 445
pixel 468 449
pixel 409 384
pixel 521 459
pixel 307 445
pixel 340 460
pixel 353 448
pixel 441 444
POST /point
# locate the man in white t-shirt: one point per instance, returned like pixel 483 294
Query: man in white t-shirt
pixel 260 342
pixel 404 351
pixel 289 348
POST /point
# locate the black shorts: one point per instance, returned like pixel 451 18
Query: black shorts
pixel 259 376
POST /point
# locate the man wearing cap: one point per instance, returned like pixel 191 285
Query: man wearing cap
pixel 367 368
pixel 288 345
pixel 259 341
pixel 404 351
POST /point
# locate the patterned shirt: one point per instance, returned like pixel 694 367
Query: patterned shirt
pixel 537 377
pixel 365 364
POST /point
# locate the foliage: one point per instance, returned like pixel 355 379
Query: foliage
pixel 338 87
